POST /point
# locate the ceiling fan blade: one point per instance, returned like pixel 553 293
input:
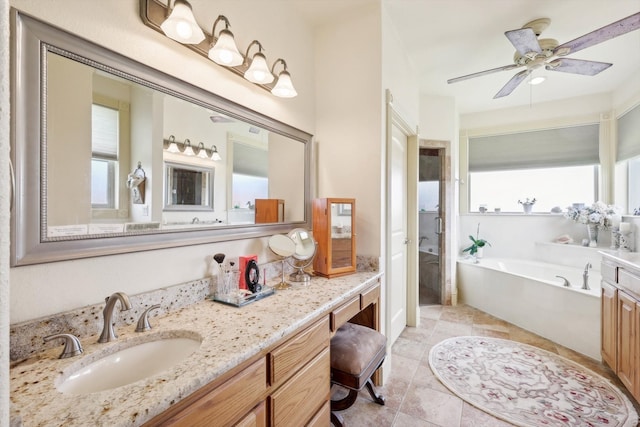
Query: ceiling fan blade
pixel 524 40
pixel 484 73
pixel 618 28
pixel 513 83
pixel 578 66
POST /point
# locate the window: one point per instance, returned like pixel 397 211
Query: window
pixel 104 157
pixel 550 186
pixel 556 166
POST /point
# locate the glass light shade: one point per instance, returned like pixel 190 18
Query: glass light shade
pixel 537 80
pixel 202 152
pixel 215 156
pixel 284 88
pixel 224 51
pixel 258 72
pixel 188 151
pixel 173 147
pixel 181 25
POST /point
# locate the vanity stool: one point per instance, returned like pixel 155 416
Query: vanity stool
pixel 356 353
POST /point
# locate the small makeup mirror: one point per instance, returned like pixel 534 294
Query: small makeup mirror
pixel 303 256
pixel 282 245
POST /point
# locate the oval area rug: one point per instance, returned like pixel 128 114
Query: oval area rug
pixel 528 386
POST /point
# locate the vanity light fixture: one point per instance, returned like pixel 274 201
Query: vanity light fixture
pixel 284 87
pixel 215 156
pixel 258 71
pixel 202 152
pixel 188 151
pixel 181 25
pixel 223 49
pixel 173 147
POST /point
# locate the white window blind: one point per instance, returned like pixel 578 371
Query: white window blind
pixel 572 146
pixel 104 132
pixel 629 134
pixel 249 160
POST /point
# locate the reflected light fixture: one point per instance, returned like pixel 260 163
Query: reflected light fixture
pixel 284 87
pixel 173 147
pixel 181 25
pixel 202 152
pixel 258 72
pixel 188 151
pixel 224 50
pixel 215 156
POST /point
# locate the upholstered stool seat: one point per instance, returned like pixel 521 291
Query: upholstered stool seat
pixel 356 353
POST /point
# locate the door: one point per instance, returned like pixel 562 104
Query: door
pixel 397 222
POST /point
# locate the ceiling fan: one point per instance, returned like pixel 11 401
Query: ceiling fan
pixel 534 53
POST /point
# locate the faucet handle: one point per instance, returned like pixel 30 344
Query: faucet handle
pixel 143 321
pixel 72 346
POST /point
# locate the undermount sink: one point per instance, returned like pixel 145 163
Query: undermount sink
pixel 129 365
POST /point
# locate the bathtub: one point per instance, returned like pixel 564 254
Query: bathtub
pixel 527 294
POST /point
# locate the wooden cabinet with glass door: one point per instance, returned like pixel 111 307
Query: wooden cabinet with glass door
pixel 334 231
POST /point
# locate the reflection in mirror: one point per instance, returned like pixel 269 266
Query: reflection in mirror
pixel 341 235
pixel 86 116
pixel 303 256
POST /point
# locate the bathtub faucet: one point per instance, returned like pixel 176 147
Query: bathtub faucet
pixel 565 283
pixel 585 277
pixel 422 239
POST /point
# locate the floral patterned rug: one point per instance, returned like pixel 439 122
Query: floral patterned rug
pixel 528 386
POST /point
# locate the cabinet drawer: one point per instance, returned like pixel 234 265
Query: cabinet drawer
pixel 369 296
pixel 346 311
pixel 608 272
pixel 227 403
pixel 289 357
pixel 322 418
pixel 629 281
pixel 303 394
pixel 255 418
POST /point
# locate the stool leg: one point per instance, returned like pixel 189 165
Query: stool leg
pixel 337 420
pixel 375 396
pixel 345 402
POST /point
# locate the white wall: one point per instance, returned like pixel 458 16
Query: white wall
pixel 349 118
pixel 45 289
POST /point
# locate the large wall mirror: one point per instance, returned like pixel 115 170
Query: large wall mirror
pixel 112 156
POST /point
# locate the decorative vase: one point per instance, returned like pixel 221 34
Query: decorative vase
pixel 592 233
pixel 527 207
pixel 480 253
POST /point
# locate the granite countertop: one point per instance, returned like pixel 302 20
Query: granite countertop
pixel 229 335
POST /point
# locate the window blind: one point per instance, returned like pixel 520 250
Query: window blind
pixel 629 134
pixel 572 146
pixel 249 160
pixel 104 132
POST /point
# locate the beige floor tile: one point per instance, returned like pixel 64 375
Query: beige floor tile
pixel 404 420
pixel 401 367
pixel 442 409
pixel 474 417
pixel 418 334
pixel 409 348
pixel 431 311
pixel 483 332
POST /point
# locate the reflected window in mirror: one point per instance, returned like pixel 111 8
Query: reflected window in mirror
pixel 628 158
pixel 104 156
pixel 188 187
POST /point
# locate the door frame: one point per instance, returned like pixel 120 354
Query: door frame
pixel 394 118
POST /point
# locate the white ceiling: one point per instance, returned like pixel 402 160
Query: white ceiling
pixel 452 38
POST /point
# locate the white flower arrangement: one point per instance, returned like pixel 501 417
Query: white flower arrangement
pixel 599 214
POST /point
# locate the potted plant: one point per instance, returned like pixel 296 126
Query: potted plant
pixel 477 245
pixel 527 205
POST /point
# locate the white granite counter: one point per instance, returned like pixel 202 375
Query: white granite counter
pixel 628 259
pixel 229 335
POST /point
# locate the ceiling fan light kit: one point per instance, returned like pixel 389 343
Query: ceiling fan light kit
pixel 534 53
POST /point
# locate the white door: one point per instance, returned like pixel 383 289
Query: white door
pixel 396 277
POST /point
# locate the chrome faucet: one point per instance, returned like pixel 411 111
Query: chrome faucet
pixel 585 277
pixel 422 239
pixel 108 334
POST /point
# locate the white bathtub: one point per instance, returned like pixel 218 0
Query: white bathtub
pixel 527 294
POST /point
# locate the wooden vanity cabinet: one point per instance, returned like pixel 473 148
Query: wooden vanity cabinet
pixel 288 384
pixel 269 211
pixel 335 233
pixel 620 326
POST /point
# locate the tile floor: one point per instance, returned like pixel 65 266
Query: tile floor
pixel 415 398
